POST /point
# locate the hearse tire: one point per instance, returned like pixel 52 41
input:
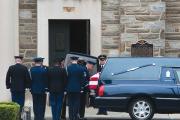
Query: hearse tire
pixel 141 109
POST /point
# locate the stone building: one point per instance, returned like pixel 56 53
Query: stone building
pixel 51 28
pixel 104 26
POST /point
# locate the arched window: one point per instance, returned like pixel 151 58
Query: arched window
pixel 142 49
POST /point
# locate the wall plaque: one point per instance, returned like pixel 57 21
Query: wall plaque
pixel 69 9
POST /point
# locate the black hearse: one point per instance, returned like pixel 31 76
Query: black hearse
pixel 138 86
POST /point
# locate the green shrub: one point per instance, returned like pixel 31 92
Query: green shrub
pixel 9 111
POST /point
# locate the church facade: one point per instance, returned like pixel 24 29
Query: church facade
pixel 51 28
pixel 105 26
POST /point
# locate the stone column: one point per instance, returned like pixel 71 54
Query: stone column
pixel 172 32
pixel 28 30
pixel 8 30
pixel 110 27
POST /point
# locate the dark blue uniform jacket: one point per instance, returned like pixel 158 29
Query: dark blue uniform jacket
pixel 86 77
pixel 76 77
pixel 39 76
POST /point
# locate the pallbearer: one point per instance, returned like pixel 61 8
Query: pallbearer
pixel 88 67
pixel 57 79
pixel 63 111
pixel 39 76
pixel 74 87
pixel 17 80
pixel 102 61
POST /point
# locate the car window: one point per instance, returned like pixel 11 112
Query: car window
pixel 177 71
pixel 85 57
pixel 116 65
pixel 167 74
pixel 148 73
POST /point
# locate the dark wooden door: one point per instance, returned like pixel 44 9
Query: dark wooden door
pixel 88 36
pixel 58 39
pixel 68 36
pixel 142 49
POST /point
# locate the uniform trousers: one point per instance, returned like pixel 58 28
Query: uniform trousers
pixel 56 101
pixel 19 98
pixel 39 105
pixel 63 111
pixel 82 104
pixel 74 104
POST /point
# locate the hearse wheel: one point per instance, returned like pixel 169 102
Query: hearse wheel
pixel 141 109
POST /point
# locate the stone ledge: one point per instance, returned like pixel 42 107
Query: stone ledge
pixel 28 46
pixel 147 17
pixel 148 36
pixel 28 6
pixel 137 30
pixel 150 0
pixel 172 51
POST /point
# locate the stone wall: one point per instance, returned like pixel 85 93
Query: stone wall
pixel 172 32
pixel 143 20
pixel 125 22
pixel 111 27
pixel 28 29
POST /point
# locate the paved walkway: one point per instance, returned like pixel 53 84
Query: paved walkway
pixel 91 115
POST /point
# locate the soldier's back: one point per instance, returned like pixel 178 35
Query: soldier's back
pixel 56 79
pixel 39 79
pixel 75 77
pixel 19 76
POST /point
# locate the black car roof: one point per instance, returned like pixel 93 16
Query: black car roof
pixel 82 54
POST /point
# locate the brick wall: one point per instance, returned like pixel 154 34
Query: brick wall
pixel 28 29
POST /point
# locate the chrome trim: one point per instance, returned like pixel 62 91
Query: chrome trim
pixel 167 98
pixel 113 98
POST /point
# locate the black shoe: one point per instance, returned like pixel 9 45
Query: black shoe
pixel 105 113
pixel 82 118
pixel 102 113
pixel 98 113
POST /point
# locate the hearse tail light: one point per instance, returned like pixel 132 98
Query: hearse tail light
pixel 101 91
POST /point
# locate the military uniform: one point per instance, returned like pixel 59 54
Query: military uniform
pixel 83 94
pixel 57 79
pixel 63 111
pixel 39 76
pixel 102 110
pixel 100 67
pixel 85 91
pixel 17 80
pixel 74 87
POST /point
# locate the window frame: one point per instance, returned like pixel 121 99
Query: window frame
pixel 176 75
pixel 137 79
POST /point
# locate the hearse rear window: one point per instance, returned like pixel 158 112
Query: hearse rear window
pixel 131 69
pixel 83 56
pixel 178 74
